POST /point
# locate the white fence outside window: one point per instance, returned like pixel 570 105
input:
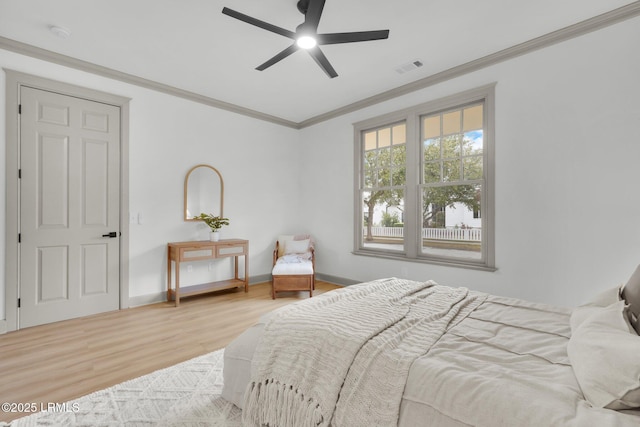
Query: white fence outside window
pixel 460 234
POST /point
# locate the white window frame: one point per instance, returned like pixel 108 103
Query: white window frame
pixel 412 224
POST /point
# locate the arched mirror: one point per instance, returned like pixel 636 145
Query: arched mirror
pixel 203 192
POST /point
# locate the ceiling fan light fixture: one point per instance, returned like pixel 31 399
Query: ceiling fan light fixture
pixel 306 42
pixel 306 35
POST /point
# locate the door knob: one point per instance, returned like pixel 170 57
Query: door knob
pixel 111 234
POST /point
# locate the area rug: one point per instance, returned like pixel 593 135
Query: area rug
pixel 186 394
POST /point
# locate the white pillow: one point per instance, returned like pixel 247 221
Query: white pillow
pixel 606 298
pixel 603 299
pixel 296 246
pixel 281 240
pixel 603 351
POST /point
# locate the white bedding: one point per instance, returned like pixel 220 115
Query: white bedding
pixel 381 327
pixel 504 365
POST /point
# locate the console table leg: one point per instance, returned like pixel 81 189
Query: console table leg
pixel 177 293
pixel 168 274
pixel 246 272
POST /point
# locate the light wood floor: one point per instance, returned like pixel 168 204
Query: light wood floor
pixel 65 360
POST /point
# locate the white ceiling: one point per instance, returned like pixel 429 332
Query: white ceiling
pixel 191 45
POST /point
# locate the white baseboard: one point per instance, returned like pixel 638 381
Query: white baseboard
pixel 336 280
pixel 3 327
pixel 147 299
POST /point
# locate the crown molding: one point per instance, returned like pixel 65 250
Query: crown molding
pixel 584 27
pixel 581 28
pixel 78 64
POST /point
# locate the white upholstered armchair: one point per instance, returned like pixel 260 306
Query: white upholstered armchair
pixel 293 264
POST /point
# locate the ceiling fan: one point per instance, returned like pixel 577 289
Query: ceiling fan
pixel 306 35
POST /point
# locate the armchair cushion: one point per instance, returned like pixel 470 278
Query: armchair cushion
pixel 284 238
pixel 283 268
pixel 292 258
pixel 296 246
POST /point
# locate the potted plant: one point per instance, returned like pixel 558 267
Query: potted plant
pixel 215 223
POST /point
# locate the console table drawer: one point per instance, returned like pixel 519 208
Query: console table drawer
pixel 230 250
pixel 196 254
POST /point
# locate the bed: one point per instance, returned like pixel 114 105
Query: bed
pixel 406 353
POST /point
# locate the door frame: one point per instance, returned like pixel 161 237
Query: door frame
pixel 14 81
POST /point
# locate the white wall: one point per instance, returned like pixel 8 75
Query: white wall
pixel 567 153
pixel 567 119
pixel 169 135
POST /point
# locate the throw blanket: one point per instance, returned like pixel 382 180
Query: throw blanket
pixel 342 358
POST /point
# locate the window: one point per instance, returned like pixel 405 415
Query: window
pixel 424 176
pixel 382 196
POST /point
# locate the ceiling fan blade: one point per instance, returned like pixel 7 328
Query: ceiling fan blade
pixel 258 23
pixel 322 61
pixel 279 57
pixel 359 36
pixel 314 12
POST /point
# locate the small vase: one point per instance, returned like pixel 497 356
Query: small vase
pixel 214 236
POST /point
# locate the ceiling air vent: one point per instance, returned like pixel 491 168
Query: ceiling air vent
pixel 409 66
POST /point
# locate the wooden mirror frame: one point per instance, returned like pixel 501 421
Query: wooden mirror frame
pixel 186 183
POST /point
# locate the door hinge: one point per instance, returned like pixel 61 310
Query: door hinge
pixel 19 173
pixel 19 108
pixel 18 302
pixel 19 237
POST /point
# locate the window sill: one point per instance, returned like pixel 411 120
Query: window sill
pixel 403 257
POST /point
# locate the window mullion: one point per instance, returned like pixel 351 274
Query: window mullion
pixel 414 154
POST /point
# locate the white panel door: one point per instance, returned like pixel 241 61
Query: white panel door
pixel 69 207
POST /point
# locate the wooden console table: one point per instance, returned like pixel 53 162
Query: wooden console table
pixel 202 250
